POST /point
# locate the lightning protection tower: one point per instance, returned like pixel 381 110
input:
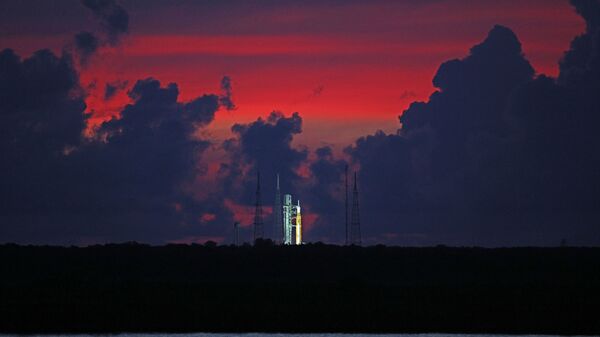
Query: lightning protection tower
pixel 278 229
pixel 346 204
pixel 258 214
pixel 287 219
pixel 355 237
pixel 236 233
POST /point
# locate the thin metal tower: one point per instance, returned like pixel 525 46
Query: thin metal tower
pixel 277 216
pixel 258 213
pixel 355 224
pixel 346 205
pixel 236 233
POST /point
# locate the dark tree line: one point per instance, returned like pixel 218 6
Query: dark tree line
pixel 312 288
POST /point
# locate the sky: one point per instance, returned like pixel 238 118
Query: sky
pixel 395 89
pixel 352 66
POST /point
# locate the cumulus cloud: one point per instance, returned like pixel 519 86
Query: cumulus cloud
pixel 265 145
pixel 226 94
pixel 42 119
pixel 496 156
pixel 324 195
pixel 131 179
pixel 422 175
pixel 555 143
pixel 86 45
pixel 126 183
pixel 114 22
pixel 148 154
pixel 40 110
pixel 112 88
pixel 113 18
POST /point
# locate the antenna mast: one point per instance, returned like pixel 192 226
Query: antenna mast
pixel 258 214
pixel 346 204
pixel 355 224
pixel 236 233
pixel 277 216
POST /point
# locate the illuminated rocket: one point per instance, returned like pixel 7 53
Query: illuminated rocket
pixel 292 220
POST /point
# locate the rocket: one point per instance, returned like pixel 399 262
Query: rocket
pixel 292 221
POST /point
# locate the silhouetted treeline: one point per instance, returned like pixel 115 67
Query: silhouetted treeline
pixel 312 288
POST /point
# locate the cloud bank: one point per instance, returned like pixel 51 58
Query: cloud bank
pixel 126 183
pixel 496 156
pixel 114 23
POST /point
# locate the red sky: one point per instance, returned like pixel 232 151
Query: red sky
pixel 349 68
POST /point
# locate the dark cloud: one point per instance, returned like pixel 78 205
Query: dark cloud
pixel 112 17
pixel 42 119
pixel 389 193
pixel 114 22
pixel 265 145
pixel 146 157
pixel 552 149
pixel 420 182
pixel 580 64
pixel 226 94
pixel 127 183
pixel 495 157
pixel 39 106
pixel 111 89
pixel 324 196
pixel 86 45
pixel 555 143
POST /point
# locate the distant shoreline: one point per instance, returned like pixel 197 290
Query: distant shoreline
pixel 313 288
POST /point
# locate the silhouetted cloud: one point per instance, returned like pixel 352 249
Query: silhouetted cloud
pixel 265 145
pixel 226 91
pixel 421 180
pixel 126 183
pixel 112 17
pixel 41 123
pixel 86 44
pixel 495 157
pixel 111 89
pixel 147 156
pixel 555 143
pixel 114 22
pixel 323 196
pixel 129 181
pixel 38 111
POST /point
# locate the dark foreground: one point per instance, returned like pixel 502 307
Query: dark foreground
pixel 314 288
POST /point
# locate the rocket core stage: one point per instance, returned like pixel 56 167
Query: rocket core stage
pixel 287 219
pixel 292 222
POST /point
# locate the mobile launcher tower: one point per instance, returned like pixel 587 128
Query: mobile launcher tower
pixel 292 222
